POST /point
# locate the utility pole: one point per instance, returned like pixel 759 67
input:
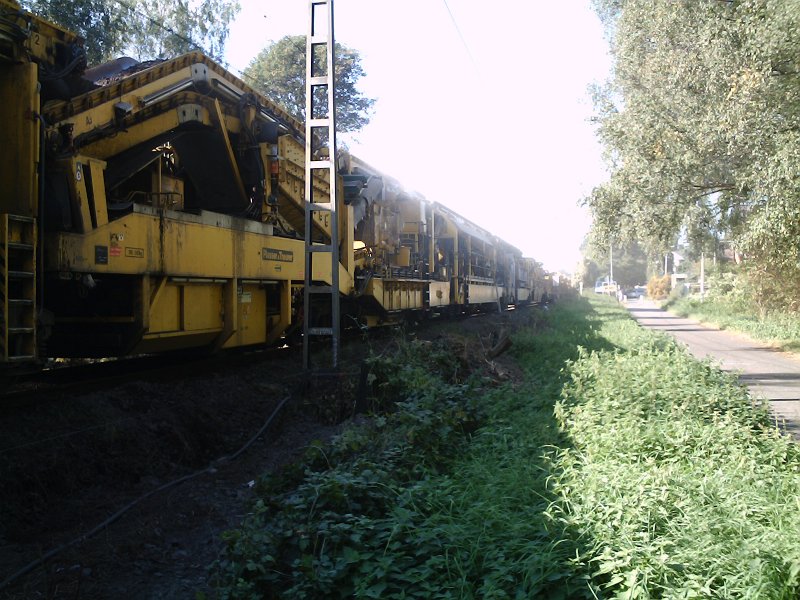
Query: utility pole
pixel 702 276
pixel 610 263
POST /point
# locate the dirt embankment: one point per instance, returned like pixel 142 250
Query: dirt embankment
pixel 69 463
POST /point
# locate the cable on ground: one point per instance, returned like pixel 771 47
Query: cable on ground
pixel 82 538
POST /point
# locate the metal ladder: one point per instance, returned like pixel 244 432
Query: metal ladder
pixel 17 288
pixel 320 128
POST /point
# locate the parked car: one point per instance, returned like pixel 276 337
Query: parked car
pixel 637 291
pixel 604 286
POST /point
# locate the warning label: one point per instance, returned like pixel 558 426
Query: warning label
pixel 277 255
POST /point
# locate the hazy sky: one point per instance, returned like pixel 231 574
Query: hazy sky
pixel 494 126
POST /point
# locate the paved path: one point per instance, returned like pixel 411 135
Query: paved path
pixel 768 373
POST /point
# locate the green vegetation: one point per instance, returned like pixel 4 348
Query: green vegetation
pixel 700 123
pixel 779 328
pixel 684 488
pixel 659 287
pixel 347 520
pixel 618 468
pixel 279 71
pixel 146 29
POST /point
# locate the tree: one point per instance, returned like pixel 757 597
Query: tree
pixel 630 262
pixel 279 71
pixel 168 29
pixel 147 29
pixel 701 128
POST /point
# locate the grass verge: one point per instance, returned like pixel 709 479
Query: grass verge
pixel 619 468
pixel 779 329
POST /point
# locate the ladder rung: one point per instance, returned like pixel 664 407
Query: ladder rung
pixel 320 289
pixel 20 246
pixel 319 164
pixel 321 80
pixel 320 331
pixel 319 122
pixel 20 330
pixel 21 301
pixel 20 357
pixel 20 275
pixel 319 206
pixel 20 218
pixel 320 38
pixel 320 248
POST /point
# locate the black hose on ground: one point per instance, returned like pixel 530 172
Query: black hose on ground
pixel 82 538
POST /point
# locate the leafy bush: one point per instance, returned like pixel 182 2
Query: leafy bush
pixel 659 287
pixel 775 327
pixel 621 468
pixel 324 527
pixel 677 483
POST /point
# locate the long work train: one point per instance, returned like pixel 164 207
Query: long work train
pixel 156 207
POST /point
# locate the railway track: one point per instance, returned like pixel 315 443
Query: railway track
pixel 81 376
pixel 56 378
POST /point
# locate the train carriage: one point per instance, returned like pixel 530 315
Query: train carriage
pixel 160 206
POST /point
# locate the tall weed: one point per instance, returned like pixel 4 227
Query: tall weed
pixel 619 468
pixel 680 484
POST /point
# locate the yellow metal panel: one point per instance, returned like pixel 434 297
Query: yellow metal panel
pixel 290 182
pixel 231 157
pixel 439 293
pixel 251 307
pixel 276 328
pixel 19 139
pixel 394 295
pixel 168 342
pixel 46 39
pixel 165 312
pixel 403 258
pixel 484 294
pixel 139 132
pixel 202 307
pixel 323 273
pixel 99 190
pixel 140 243
pixel 202 251
pixel 95 109
pixel 230 314
pixel 167 79
pixel 80 197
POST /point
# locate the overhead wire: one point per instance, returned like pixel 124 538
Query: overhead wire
pixel 166 28
pixel 189 41
pixel 461 37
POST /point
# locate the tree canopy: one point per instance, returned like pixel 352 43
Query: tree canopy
pixel 146 29
pixel 279 71
pixel 700 124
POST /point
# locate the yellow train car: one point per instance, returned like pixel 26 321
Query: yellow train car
pixel 158 207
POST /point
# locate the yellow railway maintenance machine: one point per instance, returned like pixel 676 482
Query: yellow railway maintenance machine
pixel 152 198
pixel 163 206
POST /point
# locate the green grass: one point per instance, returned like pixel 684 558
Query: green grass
pixel 682 486
pixel 619 468
pixel 779 329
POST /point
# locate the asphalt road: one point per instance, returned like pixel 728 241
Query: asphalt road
pixel 769 373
